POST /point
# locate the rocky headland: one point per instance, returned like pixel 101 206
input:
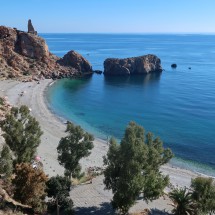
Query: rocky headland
pixel 132 66
pixel 25 56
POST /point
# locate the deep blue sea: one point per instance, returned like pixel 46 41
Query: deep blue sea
pixel 177 105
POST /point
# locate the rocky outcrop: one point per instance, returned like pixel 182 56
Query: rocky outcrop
pixel 75 60
pixel 26 56
pixel 131 66
pixel 32 47
pixel 174 65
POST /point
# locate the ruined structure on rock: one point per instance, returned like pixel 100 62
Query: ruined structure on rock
pixel 31 28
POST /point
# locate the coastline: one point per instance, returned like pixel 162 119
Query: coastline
pixel 53 128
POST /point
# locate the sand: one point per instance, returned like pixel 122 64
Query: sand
pixel 54 128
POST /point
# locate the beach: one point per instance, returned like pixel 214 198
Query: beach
pixel 88 195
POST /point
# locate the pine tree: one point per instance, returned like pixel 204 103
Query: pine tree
pixel 58 190
pixel 6 161
pixel 72 148
pixel 30 185
pixel 133 166
pixel 22 133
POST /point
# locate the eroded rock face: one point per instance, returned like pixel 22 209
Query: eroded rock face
pixel 131 66
pixel 32 46
pixel 75 60
pixel 26 55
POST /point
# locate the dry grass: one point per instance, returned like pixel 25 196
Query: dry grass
pixel 82 180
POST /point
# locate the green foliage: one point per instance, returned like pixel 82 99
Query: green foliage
pixel 1 101
pixel 182 202
pixel 72 148
pixel 133 167
pixel 204 194
pixel 30 185
pixel 6 162
pixel 22 133
pixel 58 189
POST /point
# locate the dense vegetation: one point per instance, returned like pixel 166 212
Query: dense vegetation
pixel 182 201
pixel 22 133
pixel 30 185
pixel 6 161
pixel 26 182
pixel 203 193
pixel 58 191
pixel 199 199
pixel 133 166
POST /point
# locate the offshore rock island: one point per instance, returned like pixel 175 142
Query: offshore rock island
pixel 132 66
pixel 25 55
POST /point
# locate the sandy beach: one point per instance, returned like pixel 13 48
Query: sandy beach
pixel 84 196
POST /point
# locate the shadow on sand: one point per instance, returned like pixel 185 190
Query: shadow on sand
pixel 159 212
pixel 104 208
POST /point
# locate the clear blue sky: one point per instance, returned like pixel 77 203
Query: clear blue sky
pixel 111 16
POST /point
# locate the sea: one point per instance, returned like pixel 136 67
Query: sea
pixel 178 105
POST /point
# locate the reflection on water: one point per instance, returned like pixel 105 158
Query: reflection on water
pixel 133 79
pixel 76 84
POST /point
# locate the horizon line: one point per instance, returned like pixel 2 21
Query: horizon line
pixel 136 33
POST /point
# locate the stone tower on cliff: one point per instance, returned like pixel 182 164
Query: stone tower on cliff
pixel 31 28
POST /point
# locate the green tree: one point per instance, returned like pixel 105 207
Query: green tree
pixel 72 148
pixel 204 194
pixel 30 185
pixel 6 161
pixel 58 190
pixel 22 133
pixel 133 166
pixel 183 202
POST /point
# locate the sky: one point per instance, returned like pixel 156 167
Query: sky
pixel 110 16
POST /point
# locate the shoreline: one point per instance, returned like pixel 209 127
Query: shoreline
pixel 35 98
pixel 52 125
pixel 54 128
pixel 174 165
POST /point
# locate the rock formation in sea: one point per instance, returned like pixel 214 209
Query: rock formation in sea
pixel 174 65
pixel 131 66
pixel 26 56
pixel 75 60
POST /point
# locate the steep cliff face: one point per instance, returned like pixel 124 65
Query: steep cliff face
pixel 32 46
pixel 27 55
pixel 131 66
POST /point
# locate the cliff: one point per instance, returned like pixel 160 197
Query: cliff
pixel 27 55
pixel 131 66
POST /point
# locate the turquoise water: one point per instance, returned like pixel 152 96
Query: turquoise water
pixel 177 105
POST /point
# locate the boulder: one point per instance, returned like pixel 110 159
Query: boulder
pixel 174 65
pixel 76 61
pixel 132 66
